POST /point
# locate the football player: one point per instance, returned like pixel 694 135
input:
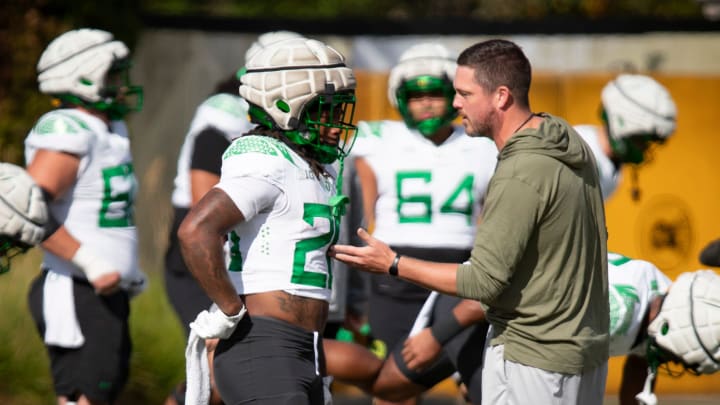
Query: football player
pixel 637 113
pixel 79 155
pixel 423 181
pixel 279 201
pixel 218 120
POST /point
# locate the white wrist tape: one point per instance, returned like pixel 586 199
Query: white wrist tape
pixel 93 266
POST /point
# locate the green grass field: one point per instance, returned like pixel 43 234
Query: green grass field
pixel 157 362
pixel 158 350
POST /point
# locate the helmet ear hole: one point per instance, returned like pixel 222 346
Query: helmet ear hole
pixel 282 106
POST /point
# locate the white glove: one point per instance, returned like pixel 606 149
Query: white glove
pixel 215 324
pixel 207 325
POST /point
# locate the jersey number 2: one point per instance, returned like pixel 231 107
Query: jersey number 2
pixel 302 248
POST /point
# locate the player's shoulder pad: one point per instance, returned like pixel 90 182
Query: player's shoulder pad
pixel 258 144
pixel 227 103
pixel 59 122
pixel 370 129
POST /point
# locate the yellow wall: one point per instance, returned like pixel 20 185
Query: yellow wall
pixel 676 214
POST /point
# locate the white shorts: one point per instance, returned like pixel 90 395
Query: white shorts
pixel 506 382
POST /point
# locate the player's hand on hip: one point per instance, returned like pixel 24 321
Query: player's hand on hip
pixel 374 257
pixel 107 284
pixel 421 350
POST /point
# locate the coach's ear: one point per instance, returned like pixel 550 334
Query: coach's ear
pixel 503 98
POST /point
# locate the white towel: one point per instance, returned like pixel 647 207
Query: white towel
pixel 197 371
pixel 423 318
pixel 207 325
pixel 61 325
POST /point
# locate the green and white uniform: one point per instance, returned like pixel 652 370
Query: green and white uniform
pixel 98 209
pixel 429 199
pixel 288 227
pixel 224 112
pixel 607 170
pixel 633 285
pixel 428 195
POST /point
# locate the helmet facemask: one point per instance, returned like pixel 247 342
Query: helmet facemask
pixel 634 149
pixel 431 86
pixel 118 97
pixel 327 111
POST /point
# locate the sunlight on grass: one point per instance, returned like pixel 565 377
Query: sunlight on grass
pixel 157 362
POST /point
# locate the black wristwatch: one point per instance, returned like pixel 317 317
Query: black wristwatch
pixel 393 271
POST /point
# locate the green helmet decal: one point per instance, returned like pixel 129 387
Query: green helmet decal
pixel 426 85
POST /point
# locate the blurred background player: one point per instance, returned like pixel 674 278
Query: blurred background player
pixel 637 113
pixel 217 121
pixel 23 213
pixel 422 181
pixel 79 155
pixel 279 201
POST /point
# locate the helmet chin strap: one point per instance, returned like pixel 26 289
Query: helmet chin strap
pixel 647 396
pixel 339 201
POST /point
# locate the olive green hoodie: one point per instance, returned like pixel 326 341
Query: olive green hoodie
pixel 539 263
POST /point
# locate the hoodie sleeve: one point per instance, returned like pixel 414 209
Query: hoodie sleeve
pixel 511 213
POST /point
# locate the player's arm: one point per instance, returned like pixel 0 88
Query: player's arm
pixel 633 378
pixel 206 162
pixel 202 235
pixel 368 186
pixel 55 173
pixel 421 350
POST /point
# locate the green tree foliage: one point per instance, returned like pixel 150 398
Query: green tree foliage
pixel 482 9
pixel 26 27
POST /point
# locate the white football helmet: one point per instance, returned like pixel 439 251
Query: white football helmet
pixel 688 325
pixel 425 67
pixel 637 108
pixel 75 66
pixel 288 83
pixel 266 39
pixel 23 213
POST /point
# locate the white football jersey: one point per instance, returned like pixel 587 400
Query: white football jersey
pixel 98 209
pixel 633 285
pixel 225 112
pixel 283 242
pixel 609 174
pixel 428 195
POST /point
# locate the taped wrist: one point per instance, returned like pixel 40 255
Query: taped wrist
pixel 446 328
pixel 93 266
